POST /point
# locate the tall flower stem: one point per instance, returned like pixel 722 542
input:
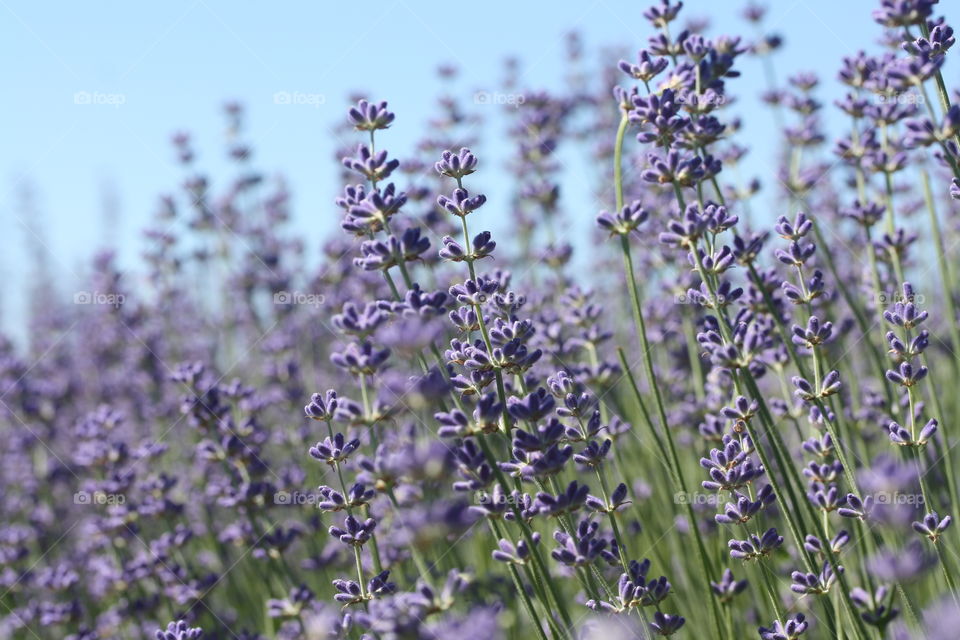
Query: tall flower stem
pixel 820 531
pixel 858 313
pixel 947 289
pixel 870 539
pixel 771 591
pixel 779 449
pixel 641 329
pixel 612 514
pixel 792 482
pixel 591 576
pixel 644 411
pixel 618 160
pixel 947 284
pixel 942 92
pixel 522 592
pixel 418 560
pixel 498 375
pixel 360 578
pixel 540 566
pixel 694 356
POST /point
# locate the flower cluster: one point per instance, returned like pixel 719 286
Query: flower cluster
pixel 731 420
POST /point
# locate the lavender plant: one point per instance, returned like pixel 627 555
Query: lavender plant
pixel 746 432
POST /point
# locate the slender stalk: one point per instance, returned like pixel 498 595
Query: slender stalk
pixel 618 160
pixel 540 566
pixel 788 470
pixel 858 313
pixel 946 281
pixel 497 373
pixel 360 578
pixel 521 591
pixel 644 411
pixel 414 552
pixel 612 515
pixel 641 329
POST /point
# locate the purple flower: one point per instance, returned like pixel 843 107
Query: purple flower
pixel 813 583
pixel 660 15
pixel 583 548
pixel 369 116
pixel 903 437
pixel 903 13
pixel 373 166
pixel 474 292
pixel 370 211
pixel 360 358
pixel 334 450
pixel 457 165
pixel 791 630
pixel 567 501
pixel 932 526
pixel 625 221
pixel 665 624
pixel 517 553
pixel 322 407
pixel 179 631
pixel 876 608
pixel 755 547
pixel 646 68
pixel 745 508
pixel 728 587
pixel 354 532
pixel 829 386
pixel 677 169
pixel 795 230
pixel 905 313
pixel 332 500
pixel 460 203
pixel 938 43
pixel 816 546
pixel 349 592
pixel 905 375
pixel 532 407
pixel 814 335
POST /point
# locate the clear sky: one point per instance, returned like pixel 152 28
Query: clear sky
pixel 153 68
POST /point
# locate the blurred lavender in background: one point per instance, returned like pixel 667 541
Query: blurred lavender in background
pixel 95 91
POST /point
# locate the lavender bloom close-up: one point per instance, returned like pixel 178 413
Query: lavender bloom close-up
pixel 655 335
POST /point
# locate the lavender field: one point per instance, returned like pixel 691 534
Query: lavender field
pixel 727 412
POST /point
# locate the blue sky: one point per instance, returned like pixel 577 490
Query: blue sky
pixel 154 68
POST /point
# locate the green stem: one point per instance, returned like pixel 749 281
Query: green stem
pixel 522 592
pixel 680 482
pixel 618 160
pixel 651 377
pixel 360 579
